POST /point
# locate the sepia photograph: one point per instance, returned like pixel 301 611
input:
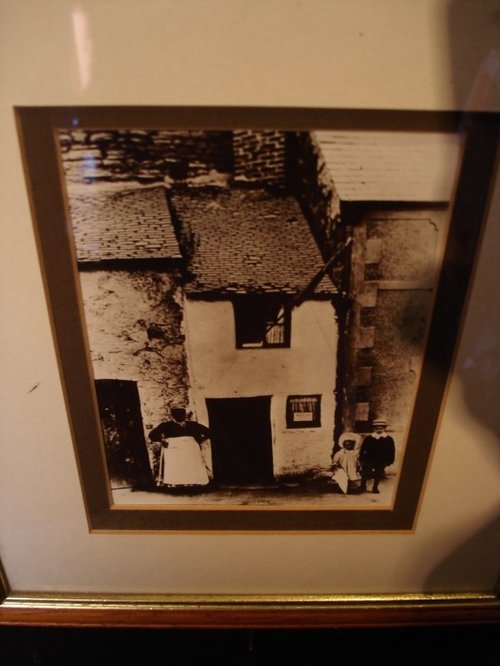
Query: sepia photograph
pixel 255 311
pixel 256 304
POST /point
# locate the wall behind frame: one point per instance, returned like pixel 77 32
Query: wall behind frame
pixel 389 54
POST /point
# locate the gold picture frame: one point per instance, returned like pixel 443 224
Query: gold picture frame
pixel 37 131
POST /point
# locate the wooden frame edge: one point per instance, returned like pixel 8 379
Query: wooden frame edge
pixel 249 611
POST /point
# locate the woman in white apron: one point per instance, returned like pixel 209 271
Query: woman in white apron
pixel 181 460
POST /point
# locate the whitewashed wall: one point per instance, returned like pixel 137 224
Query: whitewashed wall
pixel 219 370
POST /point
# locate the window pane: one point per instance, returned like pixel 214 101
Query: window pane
pixel 261 321
pixel 275 327
pixel 303 411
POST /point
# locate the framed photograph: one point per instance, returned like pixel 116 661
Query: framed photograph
pixel 249 269
pixel 255 311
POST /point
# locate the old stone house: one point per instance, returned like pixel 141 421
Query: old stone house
pixel 202 260
pixel 262 361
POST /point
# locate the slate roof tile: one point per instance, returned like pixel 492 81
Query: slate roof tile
pixel 248 241
pixel 391 166
pixel 122 224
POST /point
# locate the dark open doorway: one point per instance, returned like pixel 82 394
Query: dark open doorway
pixel 121 420
pixel 240 434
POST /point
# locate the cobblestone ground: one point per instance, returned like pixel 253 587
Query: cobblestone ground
pixel 320 492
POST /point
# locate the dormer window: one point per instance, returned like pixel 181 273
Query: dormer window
pixel 261 321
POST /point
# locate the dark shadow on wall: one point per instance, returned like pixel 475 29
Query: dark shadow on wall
pixel 474 40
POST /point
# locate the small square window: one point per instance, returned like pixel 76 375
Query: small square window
pixel 261 321
pixel 303 411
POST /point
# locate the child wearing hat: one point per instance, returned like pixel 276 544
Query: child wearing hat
pixel 377 452
pixel 346 472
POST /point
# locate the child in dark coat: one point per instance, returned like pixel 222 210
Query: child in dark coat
pixel 377 452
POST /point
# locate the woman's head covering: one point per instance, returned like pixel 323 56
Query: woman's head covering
pixel 353 436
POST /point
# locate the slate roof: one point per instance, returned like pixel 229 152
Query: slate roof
pixel 248 241
pixel 390 166
pixel 122 224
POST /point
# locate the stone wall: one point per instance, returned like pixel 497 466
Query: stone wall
pixel 310 180
pixel 395 263
pixel 146 156
pixel 312 184
pixel 259 157
pixel 183 157
pixel 135 327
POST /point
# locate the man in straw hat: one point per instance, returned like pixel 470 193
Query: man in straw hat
pixel 377 452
